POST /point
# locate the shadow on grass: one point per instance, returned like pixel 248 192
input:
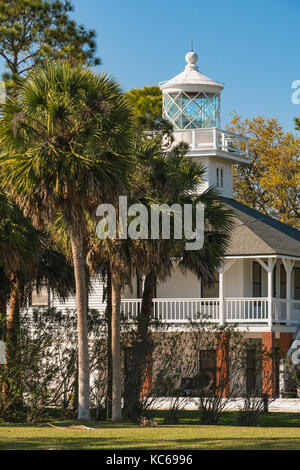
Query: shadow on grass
pixel 229 418
pixel 237 443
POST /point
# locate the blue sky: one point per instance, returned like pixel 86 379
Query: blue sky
pixel 252 46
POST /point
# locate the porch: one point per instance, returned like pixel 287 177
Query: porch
pixel 248 291
pixel 236 310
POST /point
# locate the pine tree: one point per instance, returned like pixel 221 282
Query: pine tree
pixel 34 31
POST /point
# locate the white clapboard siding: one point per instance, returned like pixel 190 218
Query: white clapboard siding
pixel 95 298
pixel 96 294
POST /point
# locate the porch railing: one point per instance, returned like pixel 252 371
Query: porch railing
pixel 175 310
pixel 280 310
pixel 214 139
pixel 184 310
pixel 246 310
pixel 295 312
pixel 236 310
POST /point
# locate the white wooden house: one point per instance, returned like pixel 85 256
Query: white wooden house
pixel 258 285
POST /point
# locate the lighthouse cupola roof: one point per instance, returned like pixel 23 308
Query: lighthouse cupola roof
pixel 191 79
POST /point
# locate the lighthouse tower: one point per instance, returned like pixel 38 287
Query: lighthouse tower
pixel 191 102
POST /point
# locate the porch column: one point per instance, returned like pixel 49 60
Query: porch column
pixel 222 365
pixel 221 296
pixel 288 265
pixel 222 270
pixel 278 267
pixel 270 289
pixel 269 268
pixel 268 364
pixel 286 340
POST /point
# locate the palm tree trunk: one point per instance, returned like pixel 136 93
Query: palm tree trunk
pixel 109 354
pixel 82 327
pixel 141 349
pixel 13 322
pixel 144 342
pixel 115 349
pixel 2 317
pixel 12 363
pixel 146 307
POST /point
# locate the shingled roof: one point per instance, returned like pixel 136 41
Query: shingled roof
pixel 258 234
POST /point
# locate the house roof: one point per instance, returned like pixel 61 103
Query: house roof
pixel 258 234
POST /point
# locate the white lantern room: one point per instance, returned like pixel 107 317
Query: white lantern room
pixel 192 103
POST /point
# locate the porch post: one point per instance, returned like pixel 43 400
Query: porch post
pixel 270 289
pixel 222 365
pixel 222 270
pixel 268 364
pixel 269 268
pixel 278 268
pixel 286 340
pixel 221 296
pixel 288 265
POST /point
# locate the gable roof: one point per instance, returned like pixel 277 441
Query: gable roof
pixel 258 234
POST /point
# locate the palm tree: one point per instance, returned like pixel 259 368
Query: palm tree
pixel 158 178
pixel 171 178
pixel 16 245
pixel 116 257
pixel 62 138
pixel 28 258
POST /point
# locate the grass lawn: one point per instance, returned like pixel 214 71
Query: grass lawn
pixel 278 431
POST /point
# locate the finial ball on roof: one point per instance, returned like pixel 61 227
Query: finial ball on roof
pixel 191 57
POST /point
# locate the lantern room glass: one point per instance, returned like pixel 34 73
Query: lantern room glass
pixel 192 110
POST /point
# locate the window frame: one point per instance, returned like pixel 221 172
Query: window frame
pixel 220 172
pixel 216 284
pixel 256 283
pixel 296 287
pixel 39 305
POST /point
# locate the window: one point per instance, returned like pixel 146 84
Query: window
pixel 250 371
pixel 274 280
pixel 219 177
pixel 40 298
pixel 297 283
pixel 192 110
pixel 282 282
pixel 207 365
pixel 256 279
pixel 211 292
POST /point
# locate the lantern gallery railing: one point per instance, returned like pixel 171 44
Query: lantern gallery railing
pixel 236 310
pixel 208 139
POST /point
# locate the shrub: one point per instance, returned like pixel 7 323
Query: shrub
pixel 209 416
pixel 47 366
pixel 249 418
